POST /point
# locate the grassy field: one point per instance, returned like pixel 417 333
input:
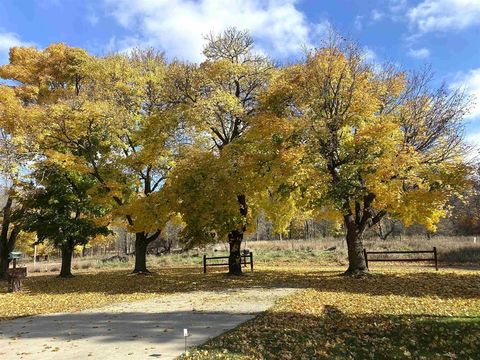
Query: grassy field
pixel 453 251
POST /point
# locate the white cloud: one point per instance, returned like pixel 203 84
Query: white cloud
pixel 369 55
pixel 377 15
pixel 473 140
pixel 421 53
pixel 397 6
pixel 470 81
pixel 178 26
pixel 358 24
pixel 442 15
pixel 8 40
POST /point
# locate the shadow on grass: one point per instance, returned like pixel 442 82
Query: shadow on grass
pixel 335 335
pixel 173 280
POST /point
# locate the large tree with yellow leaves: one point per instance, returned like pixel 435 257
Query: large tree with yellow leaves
pixel 124 131
pixel 372 140
pixel 221 98
pixel 111 118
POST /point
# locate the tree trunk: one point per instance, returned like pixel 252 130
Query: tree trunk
pixel 67 252
pixel 235 260
pixel 356 261
pixel 6 242
pixel 235 239
pixel 141 253
pixel 4 262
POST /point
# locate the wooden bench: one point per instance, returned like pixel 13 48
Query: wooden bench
pixel 247 259
pixel 433 259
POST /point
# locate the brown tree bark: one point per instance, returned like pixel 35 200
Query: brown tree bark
pixel 141 244
pixel 4 262
pixel 141 254
pixel 356 260
pixel 67 252
pixel 356 221
pixel 7 238
pixel 234 260
pixel 235 239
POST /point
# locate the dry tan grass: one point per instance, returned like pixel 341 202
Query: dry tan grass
pixel 452 249
pixel 325 251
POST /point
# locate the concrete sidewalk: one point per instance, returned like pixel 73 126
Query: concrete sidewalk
pixel 139 330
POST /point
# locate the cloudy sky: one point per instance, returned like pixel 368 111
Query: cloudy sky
pixel 442 33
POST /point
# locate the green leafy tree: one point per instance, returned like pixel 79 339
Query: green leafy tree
pixel 61 211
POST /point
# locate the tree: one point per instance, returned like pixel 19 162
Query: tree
pixel 374 141
pixel 131 144
pixel 60 210
pixel 386 227
pixel 222 97
pixel 41 77
pixel 109 118
pixel 15 152
pixel 9 231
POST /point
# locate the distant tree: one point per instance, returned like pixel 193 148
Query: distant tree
pixel 61 211
pixel 465 210
pixel 386 227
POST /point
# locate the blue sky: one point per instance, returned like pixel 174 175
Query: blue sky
pixel 442 33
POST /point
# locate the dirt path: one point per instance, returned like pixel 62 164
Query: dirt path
pixel 138 330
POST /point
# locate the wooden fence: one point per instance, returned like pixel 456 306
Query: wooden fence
pixel 433 259
pixel 247 259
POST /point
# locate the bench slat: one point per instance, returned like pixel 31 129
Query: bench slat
pixel 387 260
pixel 402 252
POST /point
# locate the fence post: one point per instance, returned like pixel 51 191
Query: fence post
pixel 204 264
pixel 251 261
pixel 435 257
pixel 365 256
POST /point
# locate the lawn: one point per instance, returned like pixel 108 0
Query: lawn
pixel 390 314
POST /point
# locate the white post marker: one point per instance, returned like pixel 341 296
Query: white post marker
pixel 474 239
pixel 185 335
pixel 34 255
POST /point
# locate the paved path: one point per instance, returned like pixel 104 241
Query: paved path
pixel 139 330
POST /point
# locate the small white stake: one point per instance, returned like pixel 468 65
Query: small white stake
pixel 185 335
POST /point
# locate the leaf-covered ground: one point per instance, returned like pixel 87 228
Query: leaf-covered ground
pixel 392 314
